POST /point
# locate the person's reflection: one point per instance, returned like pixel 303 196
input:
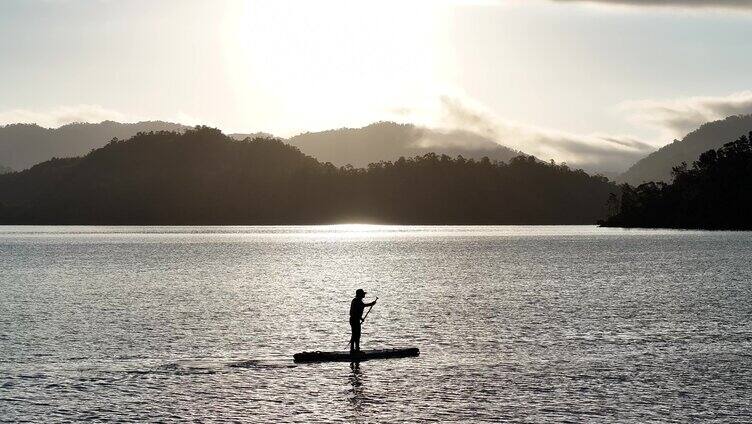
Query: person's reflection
pixel 357 387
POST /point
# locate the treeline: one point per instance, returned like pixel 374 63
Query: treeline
pixel 204 177
pixel 713 194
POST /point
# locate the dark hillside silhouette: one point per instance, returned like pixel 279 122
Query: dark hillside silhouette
pixel 23 145
pixel 388 141
pixel 205 177
pixel 713 194
pixel 658 165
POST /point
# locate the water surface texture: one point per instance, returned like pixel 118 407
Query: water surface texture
pixel 526 324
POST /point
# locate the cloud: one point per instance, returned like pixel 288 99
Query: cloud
pixel 592 152
pixel 62 115
pixel 715 4
pixel 677 117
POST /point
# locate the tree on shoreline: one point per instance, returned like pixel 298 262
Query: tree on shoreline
pixel 712 194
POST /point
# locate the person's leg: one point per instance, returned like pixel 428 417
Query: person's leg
pixel 356 337
pixel 352 337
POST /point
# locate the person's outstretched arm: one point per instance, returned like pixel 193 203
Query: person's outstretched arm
pixel 370 304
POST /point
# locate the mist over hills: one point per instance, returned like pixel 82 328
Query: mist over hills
pixel 202 176
pixel 24 145
pixel 657 166
pixel 388 141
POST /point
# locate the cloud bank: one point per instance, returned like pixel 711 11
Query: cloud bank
pixel 592 152
pixel 62 115
pixel 677 117
pixel 715 4
pixel 88 113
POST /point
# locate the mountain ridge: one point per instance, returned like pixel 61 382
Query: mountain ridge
pixel 23 145
pixel 658 165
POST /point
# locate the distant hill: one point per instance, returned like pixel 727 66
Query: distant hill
pixel 388 141
pixel 5 169
pixel 201 176
pixel 657 166
pixel 24 145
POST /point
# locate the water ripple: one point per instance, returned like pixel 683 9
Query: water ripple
pixel 515 324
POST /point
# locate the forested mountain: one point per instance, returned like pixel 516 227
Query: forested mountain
pixel 713 194
pixel 388 141
pixel 658 165
pixel 23 145
pixel 204 177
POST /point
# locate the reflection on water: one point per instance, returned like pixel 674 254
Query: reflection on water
pixel 357 388
pixel 527 324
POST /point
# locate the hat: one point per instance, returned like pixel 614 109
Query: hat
pixel 360 292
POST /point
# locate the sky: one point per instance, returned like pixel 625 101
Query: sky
pixel 597 83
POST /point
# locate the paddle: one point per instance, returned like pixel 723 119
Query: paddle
pixel 369 311
pixel 363 320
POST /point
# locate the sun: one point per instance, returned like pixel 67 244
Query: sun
pixel 333 63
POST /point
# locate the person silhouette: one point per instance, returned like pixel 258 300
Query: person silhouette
pixel 356 318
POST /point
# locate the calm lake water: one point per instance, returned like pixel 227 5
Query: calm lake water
pixel 527 324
